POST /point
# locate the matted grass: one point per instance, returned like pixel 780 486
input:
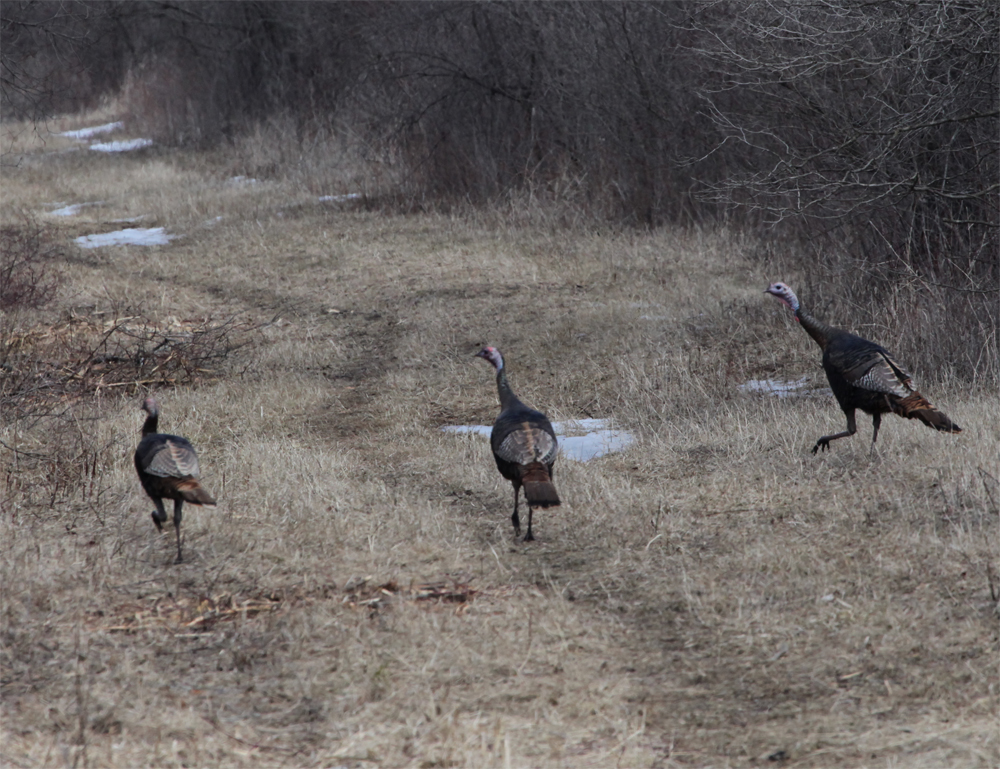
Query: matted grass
pixel 713 596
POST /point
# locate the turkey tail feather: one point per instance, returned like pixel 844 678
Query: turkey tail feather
pixel 916 406
pixel 936 419
pixel 192 492
pixel 541 494
pixel 538 487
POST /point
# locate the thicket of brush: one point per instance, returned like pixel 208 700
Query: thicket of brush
pixel 859 142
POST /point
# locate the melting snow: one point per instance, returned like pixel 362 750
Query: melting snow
pixel 130 219
pixel 151 236
pixel 781 388
pixel 596 440
pixel 72 210
pixel 121 146
pixel 462 429
pixel 86 133
pixel 241 181
pixel 339 198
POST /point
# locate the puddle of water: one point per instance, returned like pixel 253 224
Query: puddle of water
pixel 580 440
pixel 134 236
pixel 86 133
pixel 783 388
pixel 121 146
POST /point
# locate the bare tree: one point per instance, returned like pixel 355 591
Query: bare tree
pixel 877 123
pixel 59 56
pixel 866 134
pixel 590 100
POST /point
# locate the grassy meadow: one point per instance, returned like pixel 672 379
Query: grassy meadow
pixel 713 596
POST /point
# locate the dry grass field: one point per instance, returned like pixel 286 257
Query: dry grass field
pixel 713 596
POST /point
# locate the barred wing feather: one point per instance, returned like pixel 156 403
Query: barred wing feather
pixel 886 376
pixel 176 458
pixel 527 444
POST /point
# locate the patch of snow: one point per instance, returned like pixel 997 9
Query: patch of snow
pixel 597 438
pixel 121 146
pixel 130 220
pixel 150 236
pixel 241 181
pixel 73 210
pixel 579 425
pixel 86 133
pixel 781 388
pixel 466 429
pixel 340 198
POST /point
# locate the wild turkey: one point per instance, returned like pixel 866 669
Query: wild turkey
pixel 168 469
pixel 524 446
pixel 863 376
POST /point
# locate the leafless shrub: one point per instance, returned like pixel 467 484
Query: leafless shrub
pixel 122 352
pixel 478 102
pixel 71 466
pixel 156 101
pixel 27 278
pixel 866 136
pixel 211 71
pixel 849 114
pixel 59 56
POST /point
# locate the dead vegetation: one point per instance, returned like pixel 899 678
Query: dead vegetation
pixel 118 349
pixel 714 596
pixel 28 254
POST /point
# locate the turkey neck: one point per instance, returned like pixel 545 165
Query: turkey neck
pixel 507 398
pixel 818 330
pixel 149 426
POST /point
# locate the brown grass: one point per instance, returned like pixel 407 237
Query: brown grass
pixel 714 596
